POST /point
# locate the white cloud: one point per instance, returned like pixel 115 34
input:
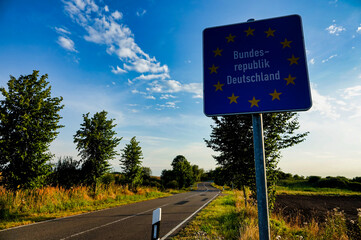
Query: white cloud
pixel 167 105
pixel 135 91
pixel 66 43
pixel 312 61
pixel 329 58
pixel 141 12
pixel 150 97
pixel 323 104
pixel 118 70
pixel 102 28
pixel 152 76
pixel 117 15
pixel 359 29
pixel 352 92
pixel 146 66
pixel 167 96
pixel 335 30
pixel 173 86
pixel 62 31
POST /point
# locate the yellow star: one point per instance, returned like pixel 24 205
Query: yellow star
pixel 275 95
pixel 213 69
pixel 218 86
pixel 230 38
pixel 250 31
pixel 270 32
pixel 293 60
pixel 254 102
pixel 233 98
pixel 218 52
pixel 290 80
pixel 286 43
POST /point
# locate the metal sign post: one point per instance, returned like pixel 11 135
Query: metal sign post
pixel 254 68
pixel 261 179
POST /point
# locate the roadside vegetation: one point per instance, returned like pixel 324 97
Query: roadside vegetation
pixel 34 187
pixel 229 218
pixel 34 205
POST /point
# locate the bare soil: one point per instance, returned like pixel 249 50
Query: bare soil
pixel 316 206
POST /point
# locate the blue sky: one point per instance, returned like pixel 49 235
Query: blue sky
pixel 142 62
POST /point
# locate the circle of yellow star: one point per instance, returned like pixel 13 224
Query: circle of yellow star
pixel 213 69
pixel 290 79
pixel 293 60
pixel 233 98
pixel 275 95
pixel 249 31
pixel 286 43
pixel 270 32
pixel 254 102
pixel 230 38
pixel 218 52
pixel 219 86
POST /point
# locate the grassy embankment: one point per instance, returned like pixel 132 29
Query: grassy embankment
pixel 304 187
pixel 29 206
pixel 228 218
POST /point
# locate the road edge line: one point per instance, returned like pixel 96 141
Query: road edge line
pixel 184 221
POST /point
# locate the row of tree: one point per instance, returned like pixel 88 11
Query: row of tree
pixel 29 122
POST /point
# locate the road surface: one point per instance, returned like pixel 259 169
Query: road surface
pixel 131 221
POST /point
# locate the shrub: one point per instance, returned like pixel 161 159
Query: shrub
pixel 357 179
pixel 66 173
pixel 107 179
pixel 172 184
pixel 355 186
pixel 333 182
pixel 314 179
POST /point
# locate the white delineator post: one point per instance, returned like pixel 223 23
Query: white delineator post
pixel 157 216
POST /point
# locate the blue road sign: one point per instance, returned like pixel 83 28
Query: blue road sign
pixel 255 67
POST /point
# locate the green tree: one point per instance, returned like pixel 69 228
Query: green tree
pixel 197 173
pixel 131 164
pixel 232 138
pixel 183 172
pixel 29 119
pixel 167 177
pixel 96 143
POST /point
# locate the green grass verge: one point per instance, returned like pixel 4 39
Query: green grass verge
pixel 219 220
pixel 300 190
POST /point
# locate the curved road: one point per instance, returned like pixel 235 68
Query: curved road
pixel 131 221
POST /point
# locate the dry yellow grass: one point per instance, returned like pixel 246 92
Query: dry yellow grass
pixel 27 206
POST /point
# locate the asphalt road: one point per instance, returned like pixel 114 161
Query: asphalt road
pixel 131 221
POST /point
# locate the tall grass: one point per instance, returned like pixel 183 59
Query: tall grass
pixel 228 218
pixel 336 226
pixel 26 206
